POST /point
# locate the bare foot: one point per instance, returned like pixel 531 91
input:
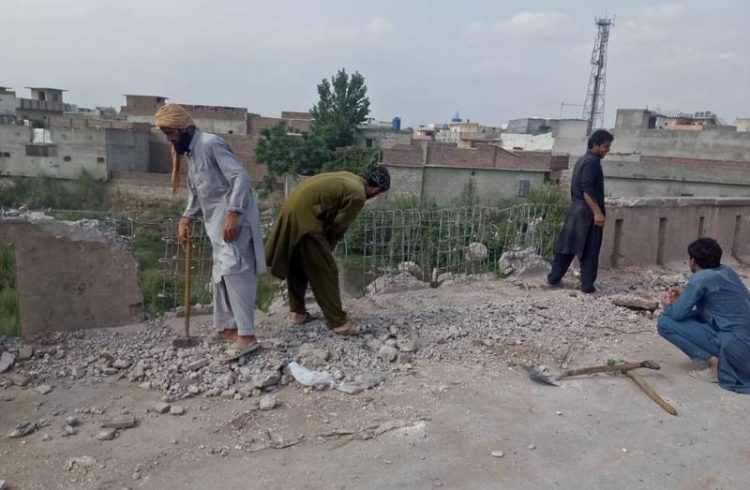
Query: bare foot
pixel 245 341
pixel 346 329
pixel 300 318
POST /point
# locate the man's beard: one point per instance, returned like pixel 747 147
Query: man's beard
pixel 183 144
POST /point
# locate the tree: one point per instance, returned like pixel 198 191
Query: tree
pixel 342 107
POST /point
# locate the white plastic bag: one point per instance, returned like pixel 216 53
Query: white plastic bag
pixel 316 379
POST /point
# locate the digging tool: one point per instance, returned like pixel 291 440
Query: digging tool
pixel 538 376
pixel 186 340
pixel 624 367
pixel 650 392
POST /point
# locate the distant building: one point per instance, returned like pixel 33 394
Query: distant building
pixel 446 172
pixel 44 104
pixel 8 105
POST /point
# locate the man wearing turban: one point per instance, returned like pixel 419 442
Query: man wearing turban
pixel 220 191
pixel 312 221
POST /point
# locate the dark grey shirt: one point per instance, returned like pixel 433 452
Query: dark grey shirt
pixel 588 177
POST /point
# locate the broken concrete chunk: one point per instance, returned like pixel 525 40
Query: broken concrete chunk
pixel 106 435
pixel 82 463
pixel 177 410
pixel 406 345
pixel 268 402
pixel 6 361
pixel 43 389
pixel 17 379
pixel 388 353
pixel 121 364
pixel 120 422
pixel 25 352
pixel 261 381
pixel 23 429
pixel 195 366
pixel 160 407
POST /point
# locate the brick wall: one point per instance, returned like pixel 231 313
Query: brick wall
pixel 403 156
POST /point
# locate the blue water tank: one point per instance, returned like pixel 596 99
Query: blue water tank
pixel 396 124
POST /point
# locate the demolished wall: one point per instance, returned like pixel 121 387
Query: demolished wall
pixel 71 275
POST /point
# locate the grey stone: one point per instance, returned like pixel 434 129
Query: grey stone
pixel 160 407
pixel 228 393
pixel 25 352
pixel 121 364
pixel 406 345
pixel 196 365
pixel 286 379
pixel 225 381
pixel 497 454
pixel 120 422
pixel 145 386
pixel 261 381
pixel 194 390
pixel 43 389
pixel 72 421
pixel 177 410
pixel 388 353
pixel 109 371
pixel 246 391
pixel 106 435
pixel 351 388
pixel 23 429
pixel 268 402
pixel 6 361
pixel 69 430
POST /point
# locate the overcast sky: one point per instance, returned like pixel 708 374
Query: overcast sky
pixel 491 60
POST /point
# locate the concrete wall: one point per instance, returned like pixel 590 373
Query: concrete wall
pixel 405 182
pixel 652 231
pixel 73 150
pixel 633 175
pixel 8 103
pixel 127 151
pixel 70 276
pixel 446 184
pixel 539 142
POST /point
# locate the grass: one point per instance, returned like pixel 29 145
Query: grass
pixel 85 192
pixel 8 296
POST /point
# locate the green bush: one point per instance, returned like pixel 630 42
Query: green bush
pixel 42 192
pixel 8 296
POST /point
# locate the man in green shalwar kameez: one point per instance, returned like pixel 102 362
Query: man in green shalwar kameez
pixel 312 221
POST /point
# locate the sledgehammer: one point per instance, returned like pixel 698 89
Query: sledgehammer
pixel 186 341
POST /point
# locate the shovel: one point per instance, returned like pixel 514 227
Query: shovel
pixel 186 340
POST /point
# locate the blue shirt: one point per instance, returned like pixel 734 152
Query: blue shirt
pixel 717 297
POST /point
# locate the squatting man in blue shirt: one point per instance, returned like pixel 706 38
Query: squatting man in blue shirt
pixel 710 319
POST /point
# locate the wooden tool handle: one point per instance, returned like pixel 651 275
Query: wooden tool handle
pixel 627 366
pixel 651 393
pixel 188 250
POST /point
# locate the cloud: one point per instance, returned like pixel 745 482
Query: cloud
pixel 524 25
pixel 379 25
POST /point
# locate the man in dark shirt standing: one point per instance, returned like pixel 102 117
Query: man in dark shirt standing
pixel 581 235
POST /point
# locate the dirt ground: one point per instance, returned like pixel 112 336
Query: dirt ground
pixel 432 425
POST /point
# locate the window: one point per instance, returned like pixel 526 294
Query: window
pixel 5 154
pixel 41 150
pixel 66 158
pixel 523 188
pixel 99 159
pixel 368 143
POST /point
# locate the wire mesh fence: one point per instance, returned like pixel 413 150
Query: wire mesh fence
pixel 465 240
pixel 161 260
